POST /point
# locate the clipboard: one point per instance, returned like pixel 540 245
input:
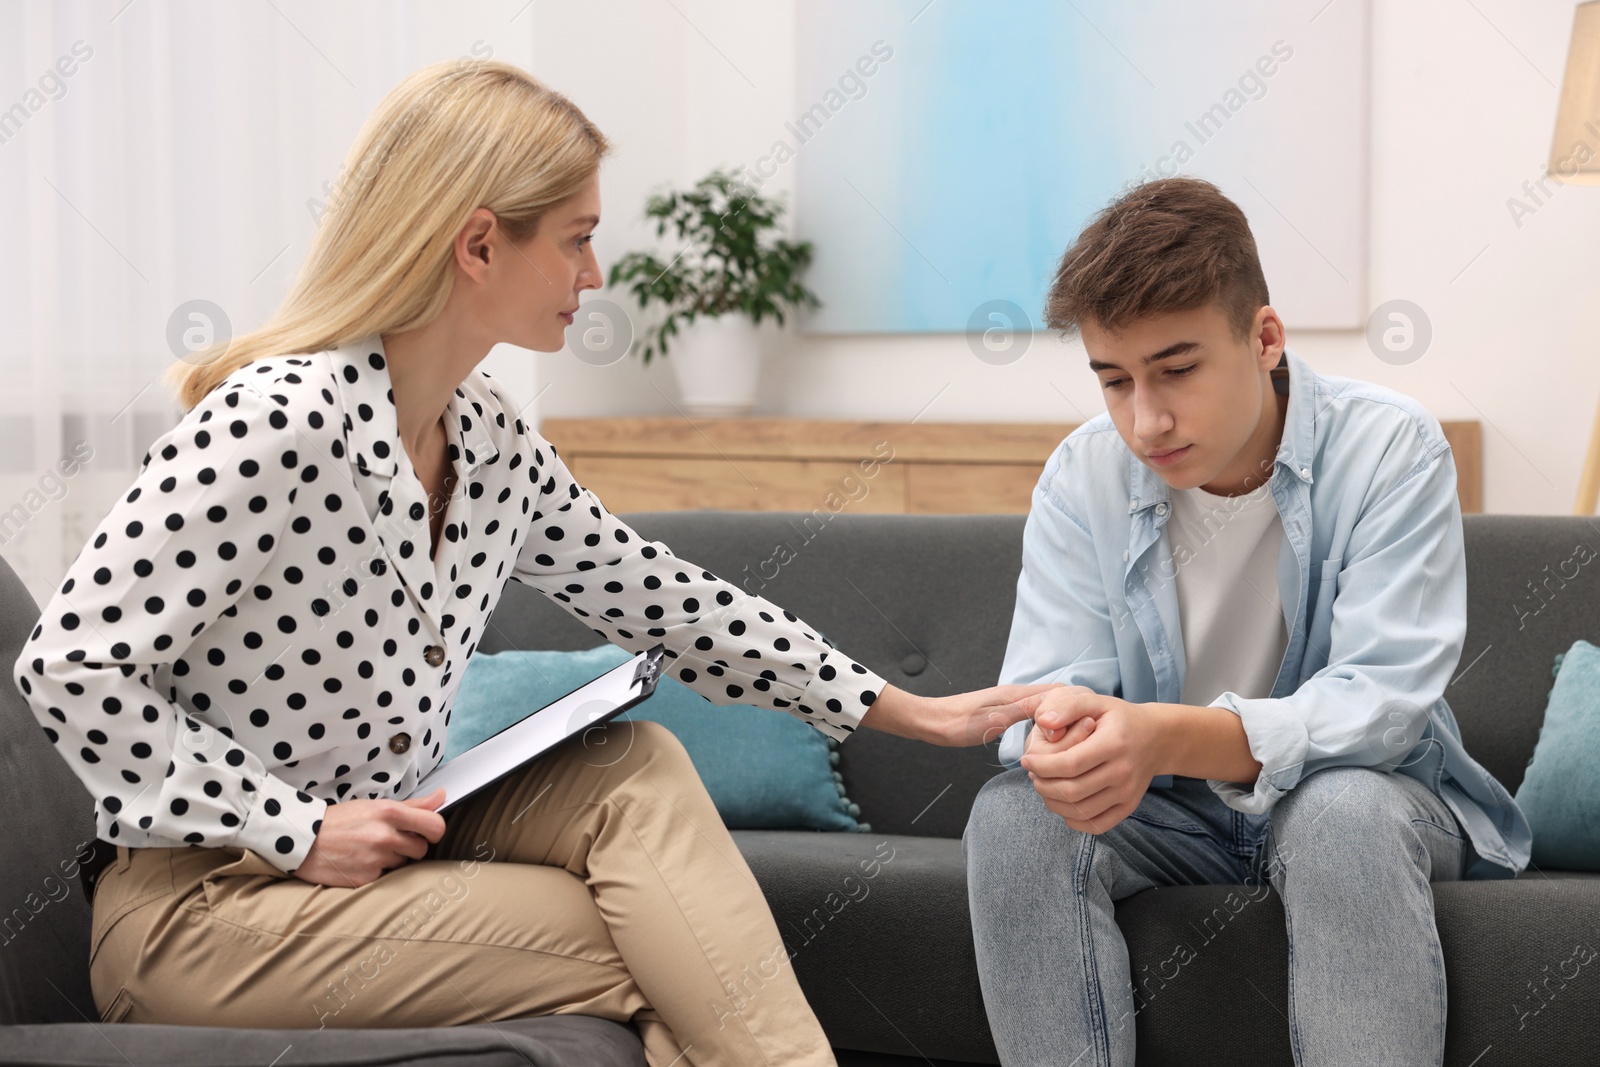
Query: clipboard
pixel 530 737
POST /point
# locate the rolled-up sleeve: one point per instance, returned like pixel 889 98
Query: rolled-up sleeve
pixel 1061 627
pixel 175 552
pixel 1398 627
pixel 728 645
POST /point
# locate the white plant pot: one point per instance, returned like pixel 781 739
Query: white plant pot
pixel 717 363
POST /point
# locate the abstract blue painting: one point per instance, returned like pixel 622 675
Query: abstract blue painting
pixel 948 152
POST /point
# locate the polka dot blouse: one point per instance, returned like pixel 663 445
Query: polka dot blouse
pixel 259 628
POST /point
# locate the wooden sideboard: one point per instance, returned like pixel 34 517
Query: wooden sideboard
pixel 761 464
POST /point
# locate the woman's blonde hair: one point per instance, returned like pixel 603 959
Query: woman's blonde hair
pixel 451 138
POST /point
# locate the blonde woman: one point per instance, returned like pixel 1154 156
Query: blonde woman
pixel 251 741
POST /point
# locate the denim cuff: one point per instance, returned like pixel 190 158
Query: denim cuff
pixel 1014 742
pixel 1278 739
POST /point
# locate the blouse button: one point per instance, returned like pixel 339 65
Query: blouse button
pixel 434 654
pixel 399 743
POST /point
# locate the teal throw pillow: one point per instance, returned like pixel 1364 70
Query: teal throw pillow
pixel 1560 793
pixel 764 769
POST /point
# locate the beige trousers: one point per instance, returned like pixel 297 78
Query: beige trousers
pixel 599 881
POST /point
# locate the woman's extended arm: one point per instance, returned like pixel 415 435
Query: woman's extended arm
pixel 974 718
pixel 725 643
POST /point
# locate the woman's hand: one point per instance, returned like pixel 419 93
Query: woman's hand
pixel 974 718
pixel 360 839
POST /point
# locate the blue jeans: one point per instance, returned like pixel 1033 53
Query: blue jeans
pixel 1350 851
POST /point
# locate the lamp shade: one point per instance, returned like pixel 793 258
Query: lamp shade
pixel 1575 149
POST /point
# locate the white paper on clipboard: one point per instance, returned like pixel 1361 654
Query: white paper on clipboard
pixel 528 738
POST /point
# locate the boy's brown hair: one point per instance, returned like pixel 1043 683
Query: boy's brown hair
pixel 1168 245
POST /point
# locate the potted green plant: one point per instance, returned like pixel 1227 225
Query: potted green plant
pixel 734 272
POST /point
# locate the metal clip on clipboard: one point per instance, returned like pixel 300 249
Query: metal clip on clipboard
pixel 649 669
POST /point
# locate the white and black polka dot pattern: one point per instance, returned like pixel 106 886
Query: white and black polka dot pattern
pixel 258 628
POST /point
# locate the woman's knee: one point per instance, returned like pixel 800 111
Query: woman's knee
pixel 655 741
pixel 651 734
pixel 641 751
pixel 624 745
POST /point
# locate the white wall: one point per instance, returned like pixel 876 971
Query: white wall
pixel 1463 104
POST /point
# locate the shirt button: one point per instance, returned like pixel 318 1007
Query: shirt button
pixel 399 743
pixel 1161 509
pixel 434 654
pixel 1305 472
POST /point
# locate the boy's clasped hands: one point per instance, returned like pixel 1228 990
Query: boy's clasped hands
pixel 1091 757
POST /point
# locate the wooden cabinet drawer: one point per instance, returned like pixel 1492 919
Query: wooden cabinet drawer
pixel 970 488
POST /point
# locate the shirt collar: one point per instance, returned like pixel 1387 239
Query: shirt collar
pixel 361 369
pixel 1298 447
pixel 1146 488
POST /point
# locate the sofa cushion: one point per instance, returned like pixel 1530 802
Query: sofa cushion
pixel 547 1041
pixel 1560 793
pixel 763 768
pixel 1533 587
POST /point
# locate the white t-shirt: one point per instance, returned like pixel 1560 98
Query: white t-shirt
pixel 1225 549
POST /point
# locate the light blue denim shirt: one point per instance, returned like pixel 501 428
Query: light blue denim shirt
pixel 1372 577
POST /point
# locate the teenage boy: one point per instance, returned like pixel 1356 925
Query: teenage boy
pixel 1250 577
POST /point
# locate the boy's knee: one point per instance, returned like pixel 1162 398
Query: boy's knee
pixel 1007 804
pixel 1338 813
pixel 1339 795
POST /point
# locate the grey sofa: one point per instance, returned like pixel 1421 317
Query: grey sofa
pixel 926 601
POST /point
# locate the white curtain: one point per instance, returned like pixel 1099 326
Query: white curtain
pixel 155 154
